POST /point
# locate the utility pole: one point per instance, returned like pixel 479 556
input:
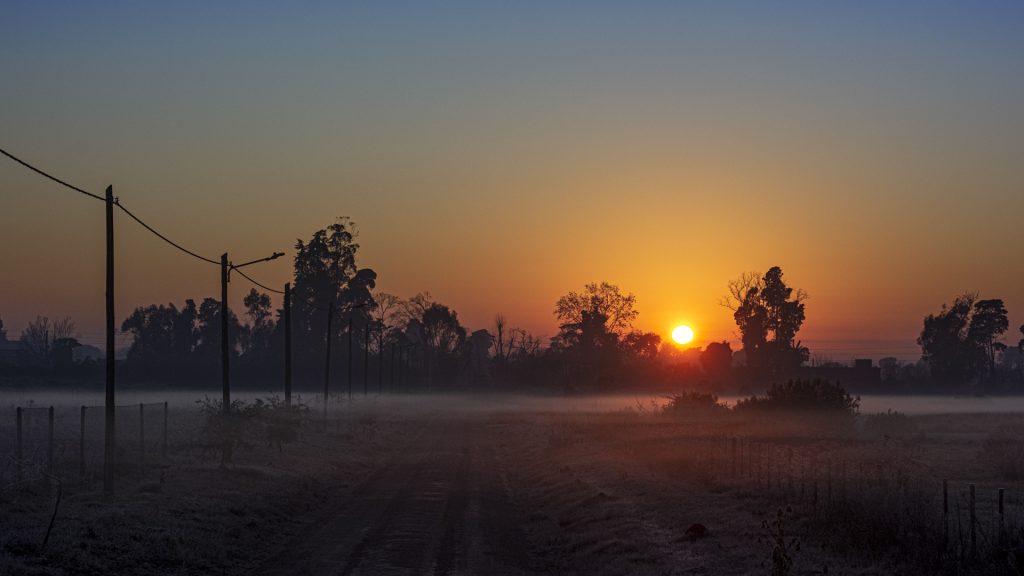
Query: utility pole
pixel 110 438
pixel 380 361
pixel 366 358
pixel 349 355
pixel 225 346
pixel 327 359
pixel 288 344
pixel 225 369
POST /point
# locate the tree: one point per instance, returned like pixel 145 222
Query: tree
pixel 716 360
pixel 960 342
pixel 944 342
pixel 602 299
pixel 768 314
pixel 642 346
pixel 40 334
pixel 988 322
pixel 325 274
pixel 261 324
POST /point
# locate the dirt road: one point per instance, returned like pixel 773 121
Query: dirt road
pixel 439 506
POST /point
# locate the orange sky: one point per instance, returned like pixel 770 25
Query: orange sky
pixel 500 157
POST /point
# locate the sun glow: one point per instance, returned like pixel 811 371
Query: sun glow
pixel 682 334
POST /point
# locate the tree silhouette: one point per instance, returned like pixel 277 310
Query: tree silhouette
pixel 988 322
pixel 40 334
pixel 326 273
pixel 716 360
pixel 605 300
pixel 960 342
pixel 768 314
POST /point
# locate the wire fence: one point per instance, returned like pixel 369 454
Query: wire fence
pixel 68 443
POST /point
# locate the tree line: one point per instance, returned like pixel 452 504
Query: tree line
pixel 417 343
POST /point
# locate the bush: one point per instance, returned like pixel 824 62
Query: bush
pixel 804 395
pixel 690 403
pixel 268 420
pixel 889 424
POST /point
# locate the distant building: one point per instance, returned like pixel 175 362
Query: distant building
pixel 10 350
pixel 87 353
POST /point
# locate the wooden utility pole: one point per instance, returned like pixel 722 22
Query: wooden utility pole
pixel 327 356
pixel 349 363
pixel 110 437
pixel 288 345
pixel 225 370
pixel 366 358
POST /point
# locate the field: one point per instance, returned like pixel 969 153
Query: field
pixel 503 485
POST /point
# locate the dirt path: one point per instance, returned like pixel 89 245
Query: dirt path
pixel 436 507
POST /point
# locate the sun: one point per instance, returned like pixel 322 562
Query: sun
pixel 682 334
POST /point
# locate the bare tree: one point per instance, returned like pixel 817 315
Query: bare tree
pixel 40 334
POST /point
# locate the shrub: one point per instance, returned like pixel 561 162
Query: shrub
pixel 691 403
pixel 804 395
pixel 888 424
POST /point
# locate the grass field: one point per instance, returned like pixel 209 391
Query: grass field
pixel 519 486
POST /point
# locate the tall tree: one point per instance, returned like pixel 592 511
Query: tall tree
pixel 988 323
pixel 326 273
pixel 769 315
pixel 945 343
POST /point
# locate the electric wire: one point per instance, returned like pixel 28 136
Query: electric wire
pixel 50 176
pixel 162 237
pixel 244 275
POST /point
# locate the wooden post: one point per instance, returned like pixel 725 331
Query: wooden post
pixel 348 363
pixel 163 449
pixel 974 521
pixel 225 346
pixel 366 358
pixel 49 442
pixel 18 451
pixel 109 434
pixel 1002 524
pixel 380 361
pixel 945 513
pixel 81 444
pixel 142 434
pixel 327 357
pixel 288 345
pixel 733 456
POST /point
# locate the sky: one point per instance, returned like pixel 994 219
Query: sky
pixel 499 155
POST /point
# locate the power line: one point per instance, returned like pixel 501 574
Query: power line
pixel 243 275
pixel 117 201
pixel 162 237
pixel 50 176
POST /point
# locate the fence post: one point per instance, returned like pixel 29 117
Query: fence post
pixel 733 456
pixel 142 434
pixel 81 445
pixel 49 441
pixel 974 518
pixel 18 452
pixel 1002 525
pixel 163 451
pixel 945 513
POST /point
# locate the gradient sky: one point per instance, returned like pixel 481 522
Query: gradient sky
pixel 499 155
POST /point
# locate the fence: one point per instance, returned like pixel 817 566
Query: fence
pixel 70 442
pixel 877 500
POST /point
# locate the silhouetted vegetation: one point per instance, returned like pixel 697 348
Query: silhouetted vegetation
pixel 803 395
